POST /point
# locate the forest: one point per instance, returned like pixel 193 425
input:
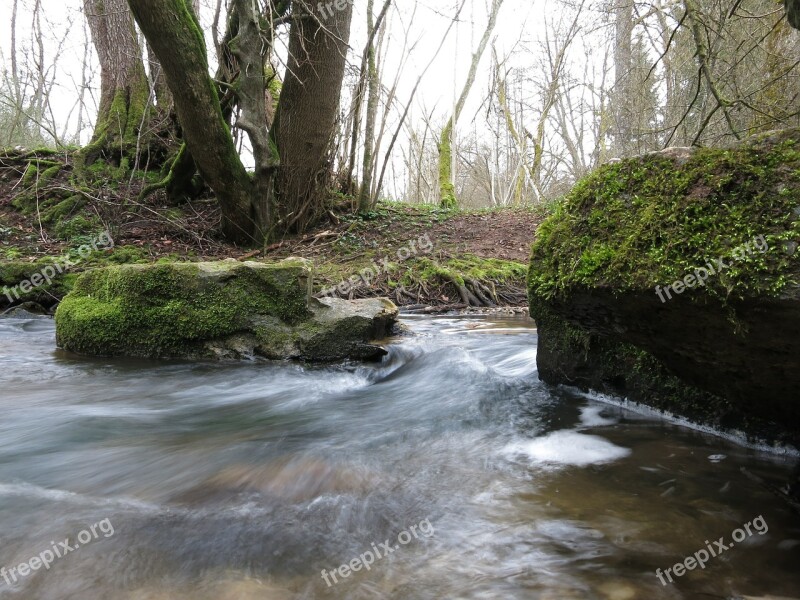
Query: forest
pixel 399 299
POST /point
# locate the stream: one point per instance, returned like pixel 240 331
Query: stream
pixel 447 471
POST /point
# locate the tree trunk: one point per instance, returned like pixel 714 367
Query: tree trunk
pixel 307 111
pixel 373 81
pixel 292 162
pixel 447 188
pixel 124 89
pixel 177 41
pixel 623 65
pixel 158 80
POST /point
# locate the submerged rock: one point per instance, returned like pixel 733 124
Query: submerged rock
pixel 292 479
pixel 225 309
pixel 671 279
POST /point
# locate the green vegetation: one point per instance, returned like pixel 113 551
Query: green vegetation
pixel 161 310
pixel 447 191
pixel 650 221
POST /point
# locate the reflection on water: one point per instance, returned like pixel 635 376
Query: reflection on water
pixel 245 481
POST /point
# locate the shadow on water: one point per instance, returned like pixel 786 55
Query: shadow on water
pixel 247 480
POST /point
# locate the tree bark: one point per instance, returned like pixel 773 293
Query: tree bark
pixel 623 65
pixel 157 78
pixel 307 112
pixel 373 82
pixel 250 50
pixel 177 41
pixel 124 89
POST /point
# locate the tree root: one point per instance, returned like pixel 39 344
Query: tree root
pixel 179 182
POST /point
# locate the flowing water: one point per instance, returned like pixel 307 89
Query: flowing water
pixel 246 481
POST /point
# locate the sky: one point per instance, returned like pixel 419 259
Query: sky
pixel 64 26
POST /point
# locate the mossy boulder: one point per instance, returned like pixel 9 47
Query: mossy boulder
pixel 15 286
pixel 226 309
pixel 630 298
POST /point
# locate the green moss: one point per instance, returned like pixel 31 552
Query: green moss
pixel 646 221
pixel 447 191
pixel 122 255
pixel 30 175
pixel 167 310
pixel 80 228
pixel 59 210
pixel 10 253
pixel 13 273
pixel 463 267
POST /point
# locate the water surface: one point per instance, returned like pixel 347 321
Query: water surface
pixel 247 480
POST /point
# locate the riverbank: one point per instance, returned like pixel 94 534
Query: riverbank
pixel 422 257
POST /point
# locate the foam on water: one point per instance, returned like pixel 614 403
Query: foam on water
pixel 29 490
pixel 591 417
pixel 567 448
pixel 737 437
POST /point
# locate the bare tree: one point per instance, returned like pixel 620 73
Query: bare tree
pixel 447 194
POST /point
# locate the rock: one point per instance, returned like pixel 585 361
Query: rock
pixel 26 310
pixel 16 287
pixel 724 352
pixel 222 310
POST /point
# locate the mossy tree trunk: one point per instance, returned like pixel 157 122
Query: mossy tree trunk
pixel 288 189
pixel 174 34
pixel 447 188
pixel 124 89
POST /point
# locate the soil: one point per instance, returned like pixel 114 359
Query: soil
pixel 156 229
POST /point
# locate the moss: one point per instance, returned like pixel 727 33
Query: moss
pixel 50 172
pixel 59 210
pixel 171 309
pixel 10 253
pixel 648 221
pixel 30 175
pixel 274 85
pixel 447 190
pixel 80 228
pixel 119 133
pixel 122 255
pixel 651 221
pixel 13 273
pixel 465 266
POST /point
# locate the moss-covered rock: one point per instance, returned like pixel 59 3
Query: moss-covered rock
pixel 630 297
pixel 222 309
pixel 16 287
